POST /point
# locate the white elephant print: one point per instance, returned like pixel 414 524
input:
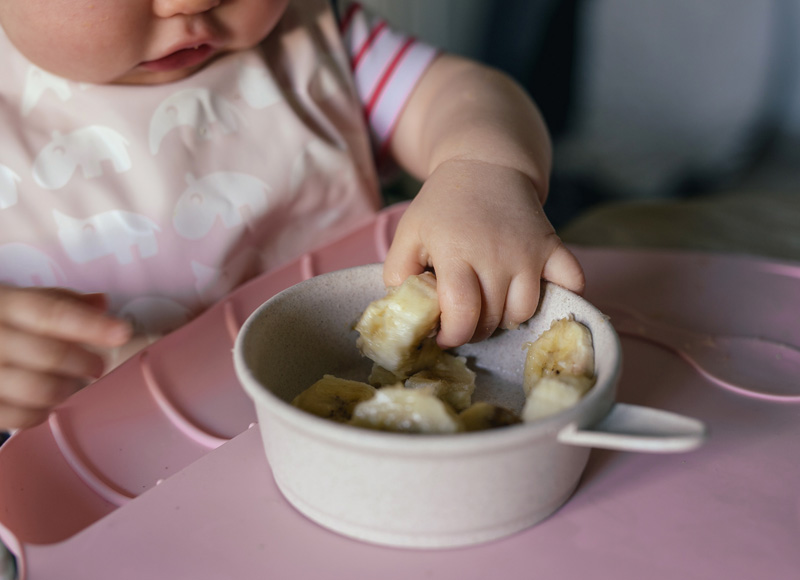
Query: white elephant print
pixel 198 108
pixel 154 315
pixel 223 195
pixel 257 87
pixel 37 83
pixel 111 233
pixel 8 187
pixel 85 148
pixel 23 265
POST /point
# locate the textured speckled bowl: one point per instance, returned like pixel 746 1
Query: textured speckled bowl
pixel 430 491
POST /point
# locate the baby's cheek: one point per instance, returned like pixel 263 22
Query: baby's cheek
pixel 81 41
pixel 250 21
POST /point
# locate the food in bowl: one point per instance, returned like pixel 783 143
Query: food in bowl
pixel 559 368
pixel 396 408
pixel 397 331
pixel 415 387
pixel 483 415
pixel 449 378
pixel 333 398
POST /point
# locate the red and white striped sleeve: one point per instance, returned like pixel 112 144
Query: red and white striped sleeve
pixel 386 67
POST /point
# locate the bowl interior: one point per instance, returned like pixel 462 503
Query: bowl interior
pixel 306 331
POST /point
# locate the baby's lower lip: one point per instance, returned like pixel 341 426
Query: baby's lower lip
pixel 188 57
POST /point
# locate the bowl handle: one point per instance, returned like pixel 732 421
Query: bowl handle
pixel 636 428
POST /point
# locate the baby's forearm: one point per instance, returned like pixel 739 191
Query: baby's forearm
pixel 464 111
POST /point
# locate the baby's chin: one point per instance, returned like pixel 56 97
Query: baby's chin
pixel 140 76
pixel 136 76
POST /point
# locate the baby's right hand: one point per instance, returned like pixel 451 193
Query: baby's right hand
pixel 45 339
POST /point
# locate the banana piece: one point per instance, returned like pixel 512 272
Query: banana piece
pixel 482 415
pixel 552 395
pixel 380 377
pixel 427 356
pixel 397 331
pixel 559 369
pixel 333 398
pixel 404 410
pixel 565 349
pixel 450 379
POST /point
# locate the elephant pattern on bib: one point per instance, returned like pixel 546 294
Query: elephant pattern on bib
pixel 85 148
pixel 8 187
pixel 112 233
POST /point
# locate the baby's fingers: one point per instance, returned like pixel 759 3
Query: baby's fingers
pixel 44 354
pixel 27 397
pixel 14 417
pixel 63 315
pixel 34 391
pixel 405 258
pixel 522 299
pixel 460 301
pixel 563 268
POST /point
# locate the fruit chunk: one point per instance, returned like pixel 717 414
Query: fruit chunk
pixel 380 377
pixel 482 415
pixel 449 379
pixel 404 410
pixel 396 331
pixel 551 395
pixel 333 398
pixel 559 368
pixel 564 349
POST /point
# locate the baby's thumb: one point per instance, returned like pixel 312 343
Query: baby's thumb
pixel 401 262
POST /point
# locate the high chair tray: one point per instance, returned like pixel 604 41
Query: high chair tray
pixel 157 471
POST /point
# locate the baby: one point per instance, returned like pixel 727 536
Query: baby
pixel 155 154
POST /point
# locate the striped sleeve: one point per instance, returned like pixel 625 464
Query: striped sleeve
pixel 386 67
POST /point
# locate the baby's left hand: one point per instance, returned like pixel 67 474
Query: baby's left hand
pixel 482 229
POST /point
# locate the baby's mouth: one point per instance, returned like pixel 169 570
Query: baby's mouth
pixel 184 58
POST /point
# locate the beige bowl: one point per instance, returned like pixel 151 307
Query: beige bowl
pixel 429 491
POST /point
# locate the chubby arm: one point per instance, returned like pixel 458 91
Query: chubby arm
pixel 483 152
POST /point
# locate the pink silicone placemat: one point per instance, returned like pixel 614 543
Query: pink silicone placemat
pixel 728 510
pixel 155 414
